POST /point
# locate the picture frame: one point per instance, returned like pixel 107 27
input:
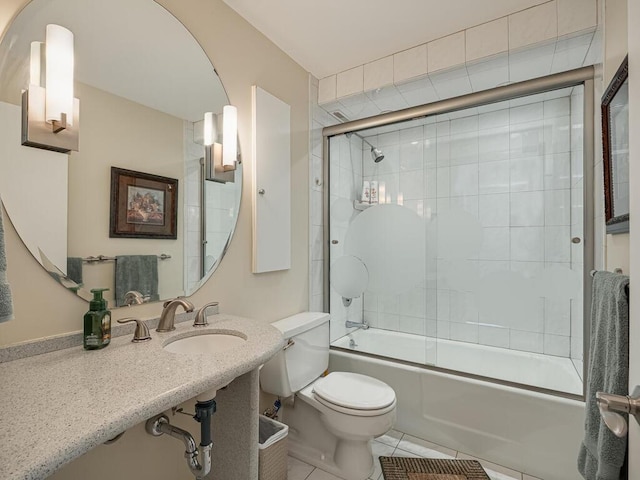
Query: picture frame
pixel 615 150
pixel 143 205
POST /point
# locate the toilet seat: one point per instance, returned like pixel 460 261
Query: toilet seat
pixel 354 394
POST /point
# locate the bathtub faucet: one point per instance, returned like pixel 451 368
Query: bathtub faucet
pixel 362 324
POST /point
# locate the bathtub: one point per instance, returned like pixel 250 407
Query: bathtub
pixel 531 432
pixel 534 369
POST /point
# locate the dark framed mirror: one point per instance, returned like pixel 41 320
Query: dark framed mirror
pixel 615 149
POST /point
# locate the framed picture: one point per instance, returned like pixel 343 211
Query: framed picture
pixel 615 148
pixel 143 205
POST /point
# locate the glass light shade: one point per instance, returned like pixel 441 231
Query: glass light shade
pixel 210 133
pixel 229 135
pixel 35 65
pixel 59 76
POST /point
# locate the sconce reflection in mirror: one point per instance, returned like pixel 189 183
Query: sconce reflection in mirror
pixel 51 114
pixel 220 158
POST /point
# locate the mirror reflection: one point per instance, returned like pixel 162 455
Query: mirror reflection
pixel 619 128
pixel 144 85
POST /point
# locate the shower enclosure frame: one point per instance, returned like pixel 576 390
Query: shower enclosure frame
pixel 581 76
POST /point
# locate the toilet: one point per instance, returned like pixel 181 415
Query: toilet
pixel 332 419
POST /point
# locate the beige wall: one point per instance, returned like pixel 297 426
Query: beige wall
pixel 149 141
pixel 615 49
pixel 615 45
pixel 28 174
pixel 242 57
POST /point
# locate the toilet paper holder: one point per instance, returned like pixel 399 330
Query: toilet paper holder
pixel 612 406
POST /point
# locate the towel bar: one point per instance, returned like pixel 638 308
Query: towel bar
pixel 615 270
pixel 103 258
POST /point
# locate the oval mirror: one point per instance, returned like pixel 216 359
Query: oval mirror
pixel 144 85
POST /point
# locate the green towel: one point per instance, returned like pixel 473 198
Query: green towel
pixel 136 272
pixel 74 269
pixel 602 454
pixel 6 301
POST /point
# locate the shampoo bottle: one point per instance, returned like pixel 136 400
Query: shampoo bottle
pixel 374 192
pixel 97 322
pixel 365 192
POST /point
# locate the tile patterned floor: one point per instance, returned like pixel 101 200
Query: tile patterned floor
pixel 398 444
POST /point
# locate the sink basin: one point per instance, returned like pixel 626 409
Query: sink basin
pixel 212 342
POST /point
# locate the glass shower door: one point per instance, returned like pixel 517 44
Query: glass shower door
pixel 377 247
pixel 471 256
pixel 509 188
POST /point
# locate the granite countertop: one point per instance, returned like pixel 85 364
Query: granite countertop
pixel 56 406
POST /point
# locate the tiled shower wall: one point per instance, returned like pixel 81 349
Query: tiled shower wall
pixel 511 169
pixel 536 64
pixel 346 157
pixel 318 119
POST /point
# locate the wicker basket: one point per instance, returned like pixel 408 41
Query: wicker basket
pixel 273 451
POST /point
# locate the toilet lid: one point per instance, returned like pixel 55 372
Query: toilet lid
pixel 354 391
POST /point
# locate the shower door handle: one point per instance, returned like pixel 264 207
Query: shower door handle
pixel 611 406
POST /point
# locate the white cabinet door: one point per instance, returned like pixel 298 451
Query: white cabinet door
pixel 271 195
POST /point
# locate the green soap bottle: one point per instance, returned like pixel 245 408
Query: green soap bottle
pixel 97 322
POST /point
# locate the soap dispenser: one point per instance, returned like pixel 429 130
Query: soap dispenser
pixel 97 322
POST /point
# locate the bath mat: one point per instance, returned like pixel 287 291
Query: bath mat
pixel 408 468
pixel 435 476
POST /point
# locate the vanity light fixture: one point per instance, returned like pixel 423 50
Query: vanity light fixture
pixel 50 114
pixel 220 158
pixel 229 137
pixel 210 129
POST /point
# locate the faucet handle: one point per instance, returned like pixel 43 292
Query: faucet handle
pixel 142 331
pixel 201 317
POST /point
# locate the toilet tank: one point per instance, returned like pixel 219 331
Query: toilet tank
pixel 305 357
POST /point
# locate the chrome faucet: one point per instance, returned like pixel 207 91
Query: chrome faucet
pixel 363 324
pixel 168 316
pixel 201 316
pixel 134 297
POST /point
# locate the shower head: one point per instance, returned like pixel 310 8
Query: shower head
pixel 376 154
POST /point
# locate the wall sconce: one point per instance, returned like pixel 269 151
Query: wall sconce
pixel 51 114
pixel 229 137
pixel 220 159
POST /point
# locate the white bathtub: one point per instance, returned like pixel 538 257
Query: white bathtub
pixel 531 432
pixel 534 369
